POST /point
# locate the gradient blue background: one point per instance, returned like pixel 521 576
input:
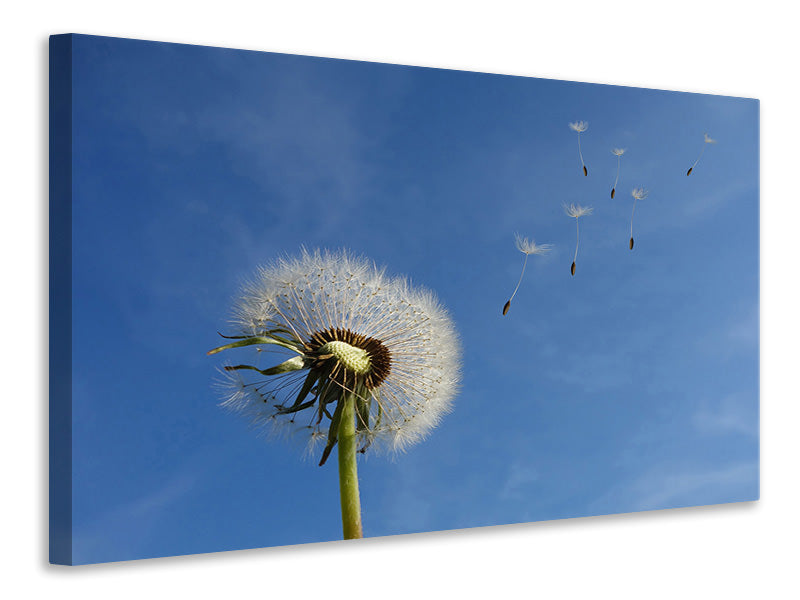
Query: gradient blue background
pixel 631 386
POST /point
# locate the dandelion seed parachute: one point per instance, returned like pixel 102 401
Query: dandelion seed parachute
pixel 638 194
pixel 618 152
pixel 576 212
pixel 580 127
pixel 527 247
pixel 706 140
pixel 352 329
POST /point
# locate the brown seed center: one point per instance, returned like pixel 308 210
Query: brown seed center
pixel 379 355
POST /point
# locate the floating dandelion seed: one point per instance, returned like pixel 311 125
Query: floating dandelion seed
pixel 580 127
pixel 576 212
pixel 706 140
pixel 527 247
pixel 638 194
pixel 618 152
pixel 372 361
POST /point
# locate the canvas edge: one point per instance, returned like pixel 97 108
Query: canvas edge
pixel 60 299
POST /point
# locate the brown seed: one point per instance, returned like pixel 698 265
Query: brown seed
pixel 506 307
pixel 572 270
pixel 689 172
pixel 612 192
pixel 585 171
pixel 631 244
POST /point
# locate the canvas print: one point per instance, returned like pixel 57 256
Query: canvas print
pixel 298 299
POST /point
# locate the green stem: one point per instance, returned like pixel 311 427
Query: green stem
pixel 348 471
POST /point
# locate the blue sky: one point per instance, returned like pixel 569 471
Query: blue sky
pixel 631 386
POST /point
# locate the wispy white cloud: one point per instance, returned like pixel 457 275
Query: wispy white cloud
pixel 709 202
pixel 745 330
pixel 693 485
pixel 734 333
pixel 519 478
pixel 667 486
pixel 405 505
pixel 118 533
pixel 734 414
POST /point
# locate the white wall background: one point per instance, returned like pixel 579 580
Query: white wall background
pixel 734 551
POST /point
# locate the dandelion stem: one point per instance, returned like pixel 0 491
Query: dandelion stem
pixel 583 164
pixel 348 470
pixel 616 180
pixel 577 240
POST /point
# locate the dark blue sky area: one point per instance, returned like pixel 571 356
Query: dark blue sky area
pixel 631 386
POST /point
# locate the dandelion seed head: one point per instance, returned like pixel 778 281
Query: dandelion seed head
pixel 579 126
pixel 639 193
pixel 390 343
pixel 708 140
pixel 577 211
pixel 618 151
pixel 351 357
pixel 527 246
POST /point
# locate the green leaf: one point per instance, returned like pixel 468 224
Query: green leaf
pixel 331 393
pixel 270 332
pixel 233 337
pixel 283 410
pixel 312 378
pixel 253 341
pixel 281 330
pixel 285 339
pixel 327 390
pixel 240 367
pixel 377 396
pixel 295 363
pixel 333 432
pixel 363 405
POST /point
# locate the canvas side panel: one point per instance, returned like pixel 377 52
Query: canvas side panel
pixel 758 217
pixel 60 298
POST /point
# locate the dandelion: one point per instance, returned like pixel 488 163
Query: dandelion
pixel 369 360
pixel 580 127
pixel 576 212
pixel 527 247
pixel 638 194
pixel 618 152
pixel 706 140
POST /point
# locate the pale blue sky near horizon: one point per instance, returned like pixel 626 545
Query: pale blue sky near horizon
pixel 631 386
